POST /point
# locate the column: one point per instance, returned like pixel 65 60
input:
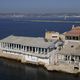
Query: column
pixel 26 48
pixel 78 58
pixel 19 47
pixel 32 49
pixel 47 50
pixel 35 49
pixel 16 46
pixel 29 48
pixel 2 44
pixel 8 45
pixel 44 50
pixel 23 48
pixel 70 59
pixel 11 45
pixel 40 50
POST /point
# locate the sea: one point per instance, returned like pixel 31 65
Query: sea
pixel 33 27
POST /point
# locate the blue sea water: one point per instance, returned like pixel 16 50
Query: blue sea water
pixel 23 27
pixel 12 70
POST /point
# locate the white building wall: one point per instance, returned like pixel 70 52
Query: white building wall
pixel 36 59
pixel 59 56
pixel 53 57
pixel 31 58
pixel 57 36
pixel 46 61
pixel 4 52
pixel 63 57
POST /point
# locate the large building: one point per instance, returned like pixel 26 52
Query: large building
pixel 50 50
pixel 33 49
pixel 73 34
pixel 70 52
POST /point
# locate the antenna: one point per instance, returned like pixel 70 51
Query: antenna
pixel 72 26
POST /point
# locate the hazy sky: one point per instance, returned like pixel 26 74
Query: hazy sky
pixel 39 6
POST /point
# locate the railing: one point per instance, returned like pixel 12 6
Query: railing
pixel 25 52
pixel 75 63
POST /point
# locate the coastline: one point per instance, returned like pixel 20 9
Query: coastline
pixel 61 21
pixel 49 67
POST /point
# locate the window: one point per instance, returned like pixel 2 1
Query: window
pixel 54 36
pixel 65 57
pixel 76 38
pixel 72 46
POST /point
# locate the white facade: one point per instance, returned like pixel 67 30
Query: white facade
pixel 31 58
pixel 51 35
pixel 43 53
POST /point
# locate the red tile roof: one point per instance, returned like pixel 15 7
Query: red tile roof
pixel 75 31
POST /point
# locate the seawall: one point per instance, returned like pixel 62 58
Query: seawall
pixel 50 67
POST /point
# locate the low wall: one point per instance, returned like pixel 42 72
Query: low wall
pixel 11 55
pixel 24 58
pixel 58 67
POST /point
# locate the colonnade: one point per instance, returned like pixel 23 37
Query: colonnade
pixel 24 48
pixel 72 37
pixel 72 58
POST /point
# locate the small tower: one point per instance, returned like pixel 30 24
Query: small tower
pixel 73 26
